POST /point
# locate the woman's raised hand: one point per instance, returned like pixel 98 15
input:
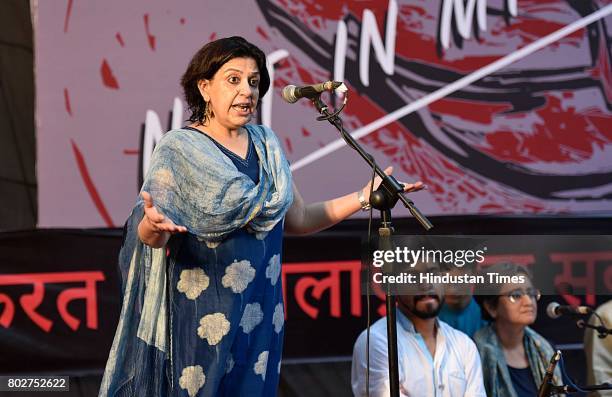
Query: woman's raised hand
pixel 408 187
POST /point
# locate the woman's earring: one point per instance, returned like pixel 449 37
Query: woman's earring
pixel 208 113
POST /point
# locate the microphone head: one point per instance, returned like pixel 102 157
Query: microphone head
pixel 551 310
pixel 289 94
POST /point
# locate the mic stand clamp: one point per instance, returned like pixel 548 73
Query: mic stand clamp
pixel 602 331
pixel 383 199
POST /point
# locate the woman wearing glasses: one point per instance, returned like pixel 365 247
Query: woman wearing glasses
pixel 514 356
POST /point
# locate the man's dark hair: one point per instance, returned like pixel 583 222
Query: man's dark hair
pixel 209 59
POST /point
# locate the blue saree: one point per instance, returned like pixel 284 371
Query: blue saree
pixel 204 317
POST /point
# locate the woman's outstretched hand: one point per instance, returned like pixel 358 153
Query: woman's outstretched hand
pixel 408 187
pixel 155 229
pixel 156 220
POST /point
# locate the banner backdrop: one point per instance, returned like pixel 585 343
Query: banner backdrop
pixel 60 295
pixel 532 138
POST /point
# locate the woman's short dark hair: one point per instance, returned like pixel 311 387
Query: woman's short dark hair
pixel 209 59
pixel 489 292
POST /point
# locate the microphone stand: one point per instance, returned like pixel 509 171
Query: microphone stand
pixel 383 199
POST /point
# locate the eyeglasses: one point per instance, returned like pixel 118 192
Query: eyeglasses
pixel 517 294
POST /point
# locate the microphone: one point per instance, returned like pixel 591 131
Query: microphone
pixel 546 386
pixel 555 310
pixel 292 93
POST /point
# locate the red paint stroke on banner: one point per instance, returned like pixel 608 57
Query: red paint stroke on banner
pixel 288 145
pixel 150 37
pixel 212 36
pixel 67 17
pixel 91 188
pixel 182 21
pixel 603 70
pixel 563 135
pixel 262 33
pixel 601 121
pixel 120 39
pixel 131 151
pixel 67 101
pixel 305 132
pixel 316 14
pixel 108 78
pixel 479 112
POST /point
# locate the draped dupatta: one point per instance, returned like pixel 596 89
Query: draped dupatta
pixel 495 369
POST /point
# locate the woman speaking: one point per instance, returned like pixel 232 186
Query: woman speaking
pixel 202 310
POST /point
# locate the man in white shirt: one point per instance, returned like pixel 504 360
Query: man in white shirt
pixel 434 360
